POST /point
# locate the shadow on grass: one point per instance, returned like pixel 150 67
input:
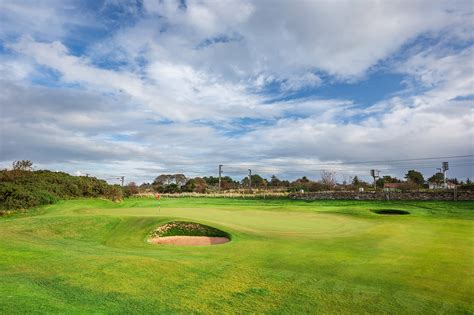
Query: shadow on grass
pixel 390 212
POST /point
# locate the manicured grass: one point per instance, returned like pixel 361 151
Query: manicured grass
pixel 91 256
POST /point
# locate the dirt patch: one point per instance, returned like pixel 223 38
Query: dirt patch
pixel 189 240
pixel 391 212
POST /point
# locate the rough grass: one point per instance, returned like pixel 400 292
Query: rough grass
pixel 91 256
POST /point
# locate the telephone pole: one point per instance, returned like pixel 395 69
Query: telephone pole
pixel 445 166
pixel 375 175
pixel 220 175
pixel 122 179
pixel 250 180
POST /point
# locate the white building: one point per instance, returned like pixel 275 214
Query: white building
pixel 449 185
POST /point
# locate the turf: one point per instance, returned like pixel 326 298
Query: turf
pixel 91 256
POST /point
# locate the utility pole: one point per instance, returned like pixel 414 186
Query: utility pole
pixel 250 180
pixel 220 175
pixel 445 167
pixel 122 178
pixel 375 175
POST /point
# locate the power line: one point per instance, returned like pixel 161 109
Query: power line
pixel 340 167
pixel 365 162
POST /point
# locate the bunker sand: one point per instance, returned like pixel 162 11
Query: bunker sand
pixel 189 240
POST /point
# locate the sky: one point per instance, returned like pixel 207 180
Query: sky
pixel 138 88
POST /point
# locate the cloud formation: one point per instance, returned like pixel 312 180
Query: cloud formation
pixel 137 88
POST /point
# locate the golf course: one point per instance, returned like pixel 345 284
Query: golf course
pixel 284 256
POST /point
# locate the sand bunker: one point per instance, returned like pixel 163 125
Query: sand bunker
pixel 189 240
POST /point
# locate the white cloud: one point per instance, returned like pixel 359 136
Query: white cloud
pixel 46 20
pixel 190 94
pixel 343 38
pixel 298 82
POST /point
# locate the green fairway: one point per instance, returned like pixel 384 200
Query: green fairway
pixel 85 256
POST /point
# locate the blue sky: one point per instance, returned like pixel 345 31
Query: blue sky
pixel 137 88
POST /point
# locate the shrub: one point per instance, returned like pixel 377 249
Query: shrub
pixel 23 189
pixel 20 199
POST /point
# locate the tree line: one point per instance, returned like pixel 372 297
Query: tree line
pixel 178 183
pixel 21 187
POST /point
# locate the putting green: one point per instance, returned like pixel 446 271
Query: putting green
pixel 286 256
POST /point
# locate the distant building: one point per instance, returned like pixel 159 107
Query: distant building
pixel 449 185
pixel 391 186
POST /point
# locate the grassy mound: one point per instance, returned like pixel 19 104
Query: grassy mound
pixel 181 228
pixel 391 212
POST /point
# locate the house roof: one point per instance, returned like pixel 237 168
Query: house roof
pixel 391 185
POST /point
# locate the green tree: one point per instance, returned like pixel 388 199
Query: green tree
pixel 179 179
pixel 415 177
pixel 304 179
pixel 257 181
pixel 171 188
pixel 436 178
pixel 274 181
pixel 196 184
pixel 390 179
pixel 162 180
pixel 380 182
pixel 228 183
pixel 211 180
pixel 303 183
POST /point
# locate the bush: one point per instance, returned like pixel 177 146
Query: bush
pixel 22 189
pixel 20 199
pixel 45 198
pixel 114 193
pixel 408 186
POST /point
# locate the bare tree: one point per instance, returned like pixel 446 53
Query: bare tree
pixel 328 179
pixel 23 165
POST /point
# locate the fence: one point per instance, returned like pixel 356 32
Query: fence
pixel 379 195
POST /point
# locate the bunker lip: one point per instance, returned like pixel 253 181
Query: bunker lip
pixel 390 212
pixel 189 240
pixel 184 233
